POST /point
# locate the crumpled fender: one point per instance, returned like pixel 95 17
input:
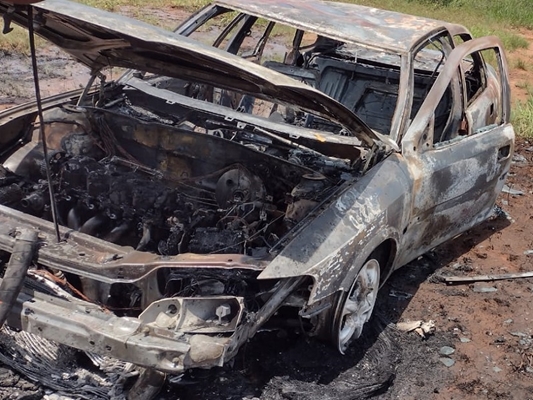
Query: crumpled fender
pixel 335 244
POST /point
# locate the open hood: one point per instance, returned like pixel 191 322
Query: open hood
pixel 102 39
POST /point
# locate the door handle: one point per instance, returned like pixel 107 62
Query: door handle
pixel 503 152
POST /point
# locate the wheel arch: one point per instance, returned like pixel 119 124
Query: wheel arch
pixel 385 254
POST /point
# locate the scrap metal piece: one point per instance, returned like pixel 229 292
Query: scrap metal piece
pixel 481 278
pixel 424 329
pixel 400 295
pixel 511 191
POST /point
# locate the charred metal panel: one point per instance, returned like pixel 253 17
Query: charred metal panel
pixel 348 230
pixel 456 181
pixel 14 121
pixel 167 98
pixel 183 154
pixel 457 185
pixel 351 23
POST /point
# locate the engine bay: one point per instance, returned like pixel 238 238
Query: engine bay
pixel 129 177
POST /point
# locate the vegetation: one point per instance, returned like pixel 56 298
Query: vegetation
pixel 522 117
pixel 522 113
pixel 483 17
pixel 114 5
pixel 17 42
pixel 519 63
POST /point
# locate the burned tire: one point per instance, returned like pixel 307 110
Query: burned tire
pixel 344 320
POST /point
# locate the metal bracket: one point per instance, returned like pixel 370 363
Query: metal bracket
pixel 8 17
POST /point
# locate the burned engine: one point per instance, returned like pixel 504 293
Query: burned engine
pixel 116 196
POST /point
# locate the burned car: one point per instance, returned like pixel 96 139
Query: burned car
pixel 281 171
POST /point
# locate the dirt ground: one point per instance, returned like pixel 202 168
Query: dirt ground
pixel 487 327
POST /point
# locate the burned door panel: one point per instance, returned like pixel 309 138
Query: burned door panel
pixel 456 181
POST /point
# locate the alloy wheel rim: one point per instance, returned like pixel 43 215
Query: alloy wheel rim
pixel 359 304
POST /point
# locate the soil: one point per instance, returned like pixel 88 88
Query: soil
pixel 488 324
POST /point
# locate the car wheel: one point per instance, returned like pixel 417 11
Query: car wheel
pixel 352 309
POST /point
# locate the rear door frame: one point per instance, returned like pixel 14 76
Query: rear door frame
pixel 455 184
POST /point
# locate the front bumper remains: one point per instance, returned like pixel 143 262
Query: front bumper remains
pixel 170 335
pixel 157 339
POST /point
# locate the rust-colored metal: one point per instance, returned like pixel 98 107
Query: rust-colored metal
pixel 352 23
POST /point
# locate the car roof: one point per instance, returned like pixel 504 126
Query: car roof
pixel 387 30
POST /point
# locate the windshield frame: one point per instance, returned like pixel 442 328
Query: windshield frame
pixel 398 120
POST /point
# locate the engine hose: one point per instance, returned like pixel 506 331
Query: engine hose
pixel 73 219
pixel 19 262
pixel 117 232
pixel 91 226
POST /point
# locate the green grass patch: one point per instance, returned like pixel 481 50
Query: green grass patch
pixel 515 13
pixel 482 17
pixel 525 86
pixel 522 117
pixel 518 13
pixel 511 40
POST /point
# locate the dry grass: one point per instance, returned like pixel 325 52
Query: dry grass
pixel 519 63
pixel 522 117
pixel 113 5
pixel 17 41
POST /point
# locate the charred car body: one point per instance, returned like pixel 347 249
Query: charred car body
pixel 209 189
